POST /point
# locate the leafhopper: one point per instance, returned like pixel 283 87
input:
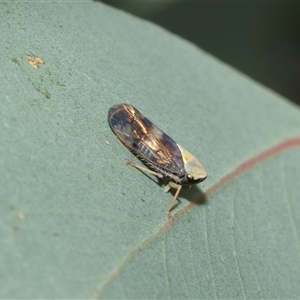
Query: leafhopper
pixel 163 156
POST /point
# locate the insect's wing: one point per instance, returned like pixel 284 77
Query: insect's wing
pixel 145 139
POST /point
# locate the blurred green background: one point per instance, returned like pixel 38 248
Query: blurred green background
pixel 260 39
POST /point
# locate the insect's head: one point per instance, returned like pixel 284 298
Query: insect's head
pixel 193 168
pixel 194 179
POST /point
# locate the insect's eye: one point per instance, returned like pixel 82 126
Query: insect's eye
pixel 191 180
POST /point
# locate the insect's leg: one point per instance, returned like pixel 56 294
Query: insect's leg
pixel 128 162
pixel 171 185
pixel 167 188
pixel 173 200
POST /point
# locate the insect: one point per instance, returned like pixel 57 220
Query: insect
pixel 156 149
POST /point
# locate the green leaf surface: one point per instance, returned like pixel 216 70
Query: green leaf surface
pixel 76 222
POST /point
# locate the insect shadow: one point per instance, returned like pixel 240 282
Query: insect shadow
pixel 192 193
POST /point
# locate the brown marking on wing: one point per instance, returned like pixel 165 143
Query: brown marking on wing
pixel 145 139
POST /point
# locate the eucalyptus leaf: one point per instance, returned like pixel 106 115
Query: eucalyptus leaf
pixel 77 222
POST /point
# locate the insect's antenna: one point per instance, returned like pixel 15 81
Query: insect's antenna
pixel 173 200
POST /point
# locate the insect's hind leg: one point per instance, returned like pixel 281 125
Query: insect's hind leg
pixel 129 162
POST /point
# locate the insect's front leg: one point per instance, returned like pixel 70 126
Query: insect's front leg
pixel 170 206
pixel 176 186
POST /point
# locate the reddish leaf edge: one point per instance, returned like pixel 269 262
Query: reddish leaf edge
pixel 242 168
